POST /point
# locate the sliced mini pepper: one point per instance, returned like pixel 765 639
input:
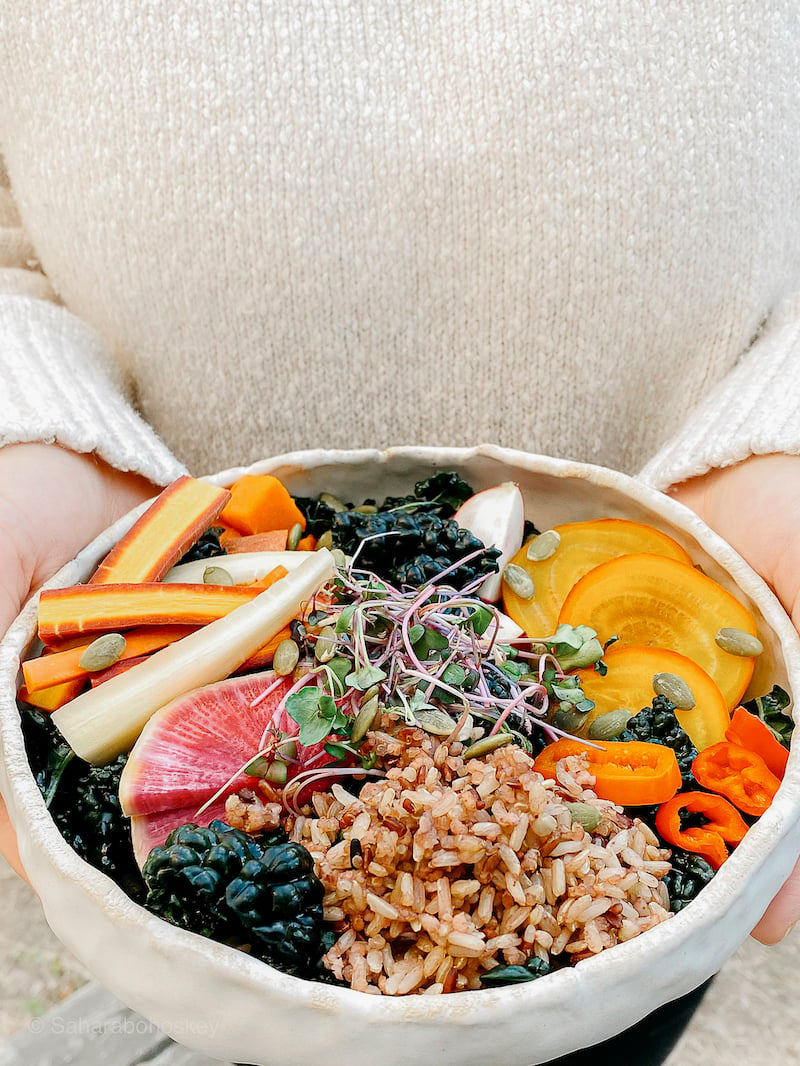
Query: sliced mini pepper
pixel 738 774
pixel 724 826
pixel 632 773
pixel 748 730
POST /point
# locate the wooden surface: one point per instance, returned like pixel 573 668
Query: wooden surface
pixel 92 1028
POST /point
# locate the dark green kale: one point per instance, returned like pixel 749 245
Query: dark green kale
pixel 658 723
pixel 689 874
pixel 513 975
pixel 771 710
pixel 83 801
pixel 255 892
pixel 207 546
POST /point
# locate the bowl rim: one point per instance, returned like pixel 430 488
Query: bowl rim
pixel 724 894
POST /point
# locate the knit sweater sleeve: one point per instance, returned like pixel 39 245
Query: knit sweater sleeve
pixel 59 383
pixel 754 410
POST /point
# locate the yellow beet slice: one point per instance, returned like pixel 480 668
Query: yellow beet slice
pixel 583 546
pixel 629 685
pixel 659 602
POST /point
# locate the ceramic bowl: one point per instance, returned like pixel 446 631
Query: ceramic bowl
pixel 221 1002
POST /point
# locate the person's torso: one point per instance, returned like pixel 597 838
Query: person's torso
pixel 552 226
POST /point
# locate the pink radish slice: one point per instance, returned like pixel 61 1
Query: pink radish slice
pixel 150 830
pixel 192 748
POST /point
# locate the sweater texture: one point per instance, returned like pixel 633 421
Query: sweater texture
pixel 230 230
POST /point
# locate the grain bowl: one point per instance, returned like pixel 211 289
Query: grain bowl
pixel 223 1003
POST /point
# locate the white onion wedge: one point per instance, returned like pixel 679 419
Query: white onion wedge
pixel 497 517
pixel 105 721
pixel 243 567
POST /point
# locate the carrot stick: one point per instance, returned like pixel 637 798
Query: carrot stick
pixel 157 539
pixel 274 541
pixel 91 608
pixel 50 699
pixel 57 667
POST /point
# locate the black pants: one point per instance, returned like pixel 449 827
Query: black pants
pixel 648 1043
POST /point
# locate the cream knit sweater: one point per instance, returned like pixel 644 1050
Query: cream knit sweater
pixel 571 227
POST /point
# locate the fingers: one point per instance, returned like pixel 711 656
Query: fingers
pixel 782 913
pixel 8 842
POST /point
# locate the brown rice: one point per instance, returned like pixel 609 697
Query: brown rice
pixel 447 868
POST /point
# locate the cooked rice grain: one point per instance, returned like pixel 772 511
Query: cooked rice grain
pixel 470 865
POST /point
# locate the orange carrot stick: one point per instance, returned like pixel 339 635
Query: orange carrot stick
pixel 50 699
pixel 55 668
pixel 156 541
pixel 91 608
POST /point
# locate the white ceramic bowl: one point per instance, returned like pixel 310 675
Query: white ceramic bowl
pixel 221 1002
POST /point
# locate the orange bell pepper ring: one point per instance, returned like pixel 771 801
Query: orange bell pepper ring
pixel 748 730
pixel 723 825
pixel 738 774
pixel 632 773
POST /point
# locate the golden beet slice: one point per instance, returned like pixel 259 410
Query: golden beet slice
pixel 659 602
pixel 629 685
pixel 583 546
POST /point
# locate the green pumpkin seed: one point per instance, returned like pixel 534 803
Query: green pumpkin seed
pixel 287 655
pixel 325 540
pixel 339 558
pixel 216 575
pixel 609 725
pixel 103 652
pixel 326 645
pixel 569 719
pixel 366 508
pixel 586 815
pixel 333 502
pixel 519 581
pixel 363 721
pixel 437 723
pixel 486 745
pixel 259 767
pixel 543 546
pixel 294 537
pixel 277 772
pixel 675 689
pixel 738 642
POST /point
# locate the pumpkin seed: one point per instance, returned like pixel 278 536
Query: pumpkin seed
pixel 286 657
pixel 103 652
pixel 333 502
pixel 519 581
pixel 543 546
pixel 362 723
pixel 675 689
pixel 216 575
pixel 293 539
pixel 609 725
pixel 339 558
pixel 277 772
pixel 486 745
pixel 586 815
pixel 366 508
pixel 569 719
pixel 738 642
pixel 258 767
pixel 325 540
pixel 437 723
pixel 326 645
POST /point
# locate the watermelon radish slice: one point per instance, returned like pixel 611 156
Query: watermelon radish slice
pixel 191 748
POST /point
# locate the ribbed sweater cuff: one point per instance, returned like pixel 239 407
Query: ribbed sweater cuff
pixel 755 410
pixel 57 387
